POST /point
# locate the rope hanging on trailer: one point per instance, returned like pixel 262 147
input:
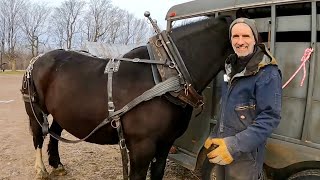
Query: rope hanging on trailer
pixel 304 59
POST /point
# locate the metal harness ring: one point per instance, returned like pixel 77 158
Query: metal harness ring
pixel 114 123
pixel 158 43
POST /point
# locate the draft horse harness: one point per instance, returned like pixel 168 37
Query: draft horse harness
pixel 175 80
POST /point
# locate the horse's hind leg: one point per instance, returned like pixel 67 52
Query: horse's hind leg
pixel 53 151
pixel 159 162
pixel 38 139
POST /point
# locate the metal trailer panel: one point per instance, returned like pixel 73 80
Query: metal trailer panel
pixel 298 133
pixel 285 23
pixel 195 136
pixel 273 28
pixel 192 8
pixel 283 150
pixel 316 92
pixel 205 7
pixel 318 21
pixel 294 23
pixel 314 123
pixel 263 24
pixel 292 115
pixel 288 55
pixel 307 118
pixel 191 142
pixel 280 153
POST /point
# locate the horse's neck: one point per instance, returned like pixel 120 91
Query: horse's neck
pixel 204 54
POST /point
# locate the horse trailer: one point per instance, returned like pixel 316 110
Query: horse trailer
pixel 288 28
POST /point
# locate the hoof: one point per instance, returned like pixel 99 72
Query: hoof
pixel 42 175
pixel 59 171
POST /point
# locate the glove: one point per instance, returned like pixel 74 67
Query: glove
pixel 219 155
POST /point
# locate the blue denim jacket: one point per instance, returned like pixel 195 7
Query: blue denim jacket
pixel 251 106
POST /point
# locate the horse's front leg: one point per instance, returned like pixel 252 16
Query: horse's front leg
pixel 141 153
pixel 159 162
pixel 53 151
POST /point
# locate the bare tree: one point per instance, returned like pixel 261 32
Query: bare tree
pixel 34 20
pixel 115 22
pixel 127 29
pixel 133 30
pixel 57 29
pixel 97 19
pixel 10 20
pixel 65 19
pixel 109 24
pixel 141 31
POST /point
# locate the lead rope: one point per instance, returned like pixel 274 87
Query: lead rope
pixel 304 59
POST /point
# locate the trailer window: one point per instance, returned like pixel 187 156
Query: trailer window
pixel 261 12
pixel 293 9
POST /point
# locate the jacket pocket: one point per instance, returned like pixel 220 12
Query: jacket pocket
pixel 246 113
pixel 248 156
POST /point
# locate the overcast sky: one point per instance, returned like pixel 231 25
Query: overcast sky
pixel 157 8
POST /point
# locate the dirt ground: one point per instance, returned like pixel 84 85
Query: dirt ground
pixel 83 161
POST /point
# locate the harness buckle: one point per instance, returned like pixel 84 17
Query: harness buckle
pixel 45 125
pixel 111 107
pixel 122 144
pixel 116 65
pixel 186 88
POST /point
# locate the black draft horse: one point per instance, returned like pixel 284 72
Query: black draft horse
pixel 72 87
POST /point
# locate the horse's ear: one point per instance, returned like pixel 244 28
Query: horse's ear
pixel 240 13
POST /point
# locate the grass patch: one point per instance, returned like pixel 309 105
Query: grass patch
pixel 12 72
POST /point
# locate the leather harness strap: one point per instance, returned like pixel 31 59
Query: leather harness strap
pixel 177 67
pixel 165 50
pixel 113 66
pixel 176 57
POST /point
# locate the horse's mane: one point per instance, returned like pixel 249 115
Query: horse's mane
pixel 195 26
